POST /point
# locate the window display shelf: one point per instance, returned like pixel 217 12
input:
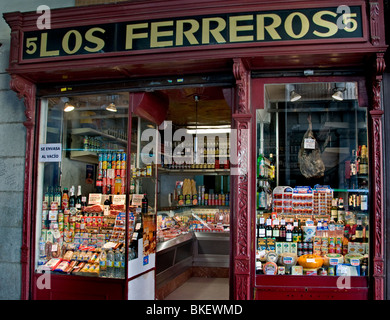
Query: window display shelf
pixel 221 172
pixel 95 132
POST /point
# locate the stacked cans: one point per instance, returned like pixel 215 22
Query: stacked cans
pixel 111 173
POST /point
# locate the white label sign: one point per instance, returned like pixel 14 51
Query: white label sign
pixel 309 144
pixel 50 152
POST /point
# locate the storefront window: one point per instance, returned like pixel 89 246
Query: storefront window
pixel 312 181
pixel 81 193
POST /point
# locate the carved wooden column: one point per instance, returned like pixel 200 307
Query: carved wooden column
pixel 241 177
pixel 26 90
pixel 378 238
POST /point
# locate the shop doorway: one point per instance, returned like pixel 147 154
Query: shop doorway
pixel 193 195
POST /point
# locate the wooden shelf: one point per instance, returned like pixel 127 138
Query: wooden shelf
pixel 210 172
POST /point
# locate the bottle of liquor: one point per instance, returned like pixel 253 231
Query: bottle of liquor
pixel 283 231
pixel 340 210
pixel 145 204
pixel 353 168
pixel 78 198
pixel 272 167
pixel 358 159
pixel 84 203
pixel 289 233
pixel 359 231
pixel 295 231
pixel 58 196
pixel 261 196
pixel 260 165
pixel 268 229
pixel 106 206
pixel 275 230
pixel 363 166
pixel 261 232
pixel 300 231
pixel 72 198
pixel 333 210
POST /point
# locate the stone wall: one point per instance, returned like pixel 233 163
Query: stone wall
pixel 12 158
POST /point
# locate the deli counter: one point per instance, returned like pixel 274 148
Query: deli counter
pixel 191 240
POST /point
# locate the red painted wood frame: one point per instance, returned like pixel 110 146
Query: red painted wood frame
pixel 239 59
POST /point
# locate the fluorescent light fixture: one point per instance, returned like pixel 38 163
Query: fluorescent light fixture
pixel 68 107
pixel 111 107
pixel 338 95
pixel 294 96
pixel 208 131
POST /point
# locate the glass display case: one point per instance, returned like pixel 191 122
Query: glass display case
pixel 313 212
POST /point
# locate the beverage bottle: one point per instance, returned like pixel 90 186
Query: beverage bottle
pixel 83 203
pixel 359 231
pixel 103 264
pixel 78 198
pixel 57 196
pixel 46 197
pixel 268 229
pixel 272 167
pixel 106 206
pixel 283 231
pixel 72 198
pixel 289 233
pixel 261 228
pixel 295 232
pixel 340 210
pixel 117 263
pixel 145 204
pixel 65 199
pixel 110 263
pixel 333 210
pixel 275 230
pixel 260 165
pixel 118 184
pixel 363 165
pixel 122 266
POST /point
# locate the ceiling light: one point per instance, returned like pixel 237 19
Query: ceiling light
pixel 208 131
pixel 111 107
pixel 338 95
pixel 68 107
pixel 294 96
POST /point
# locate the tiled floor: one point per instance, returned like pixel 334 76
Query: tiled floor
pixel 197 288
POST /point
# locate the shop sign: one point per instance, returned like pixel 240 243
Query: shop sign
pixel 221 30
pixel 50 152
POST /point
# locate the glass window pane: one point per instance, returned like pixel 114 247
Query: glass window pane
pixel 313 178
pixel 82 184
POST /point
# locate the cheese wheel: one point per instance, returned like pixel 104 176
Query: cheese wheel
pixel 270 268
pixel 332 257
pixel 310 261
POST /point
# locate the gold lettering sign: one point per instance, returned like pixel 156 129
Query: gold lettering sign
pixel 248 28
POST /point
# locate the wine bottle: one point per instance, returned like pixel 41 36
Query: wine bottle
pixel 78 198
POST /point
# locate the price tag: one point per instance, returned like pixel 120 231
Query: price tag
pixel 288 260
pixel 310 260
pixel 119 199
pixel 333 261
pixel 135 236
pixel 95 198
pixel 309 143
pixel 137 199
pixel 355 262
